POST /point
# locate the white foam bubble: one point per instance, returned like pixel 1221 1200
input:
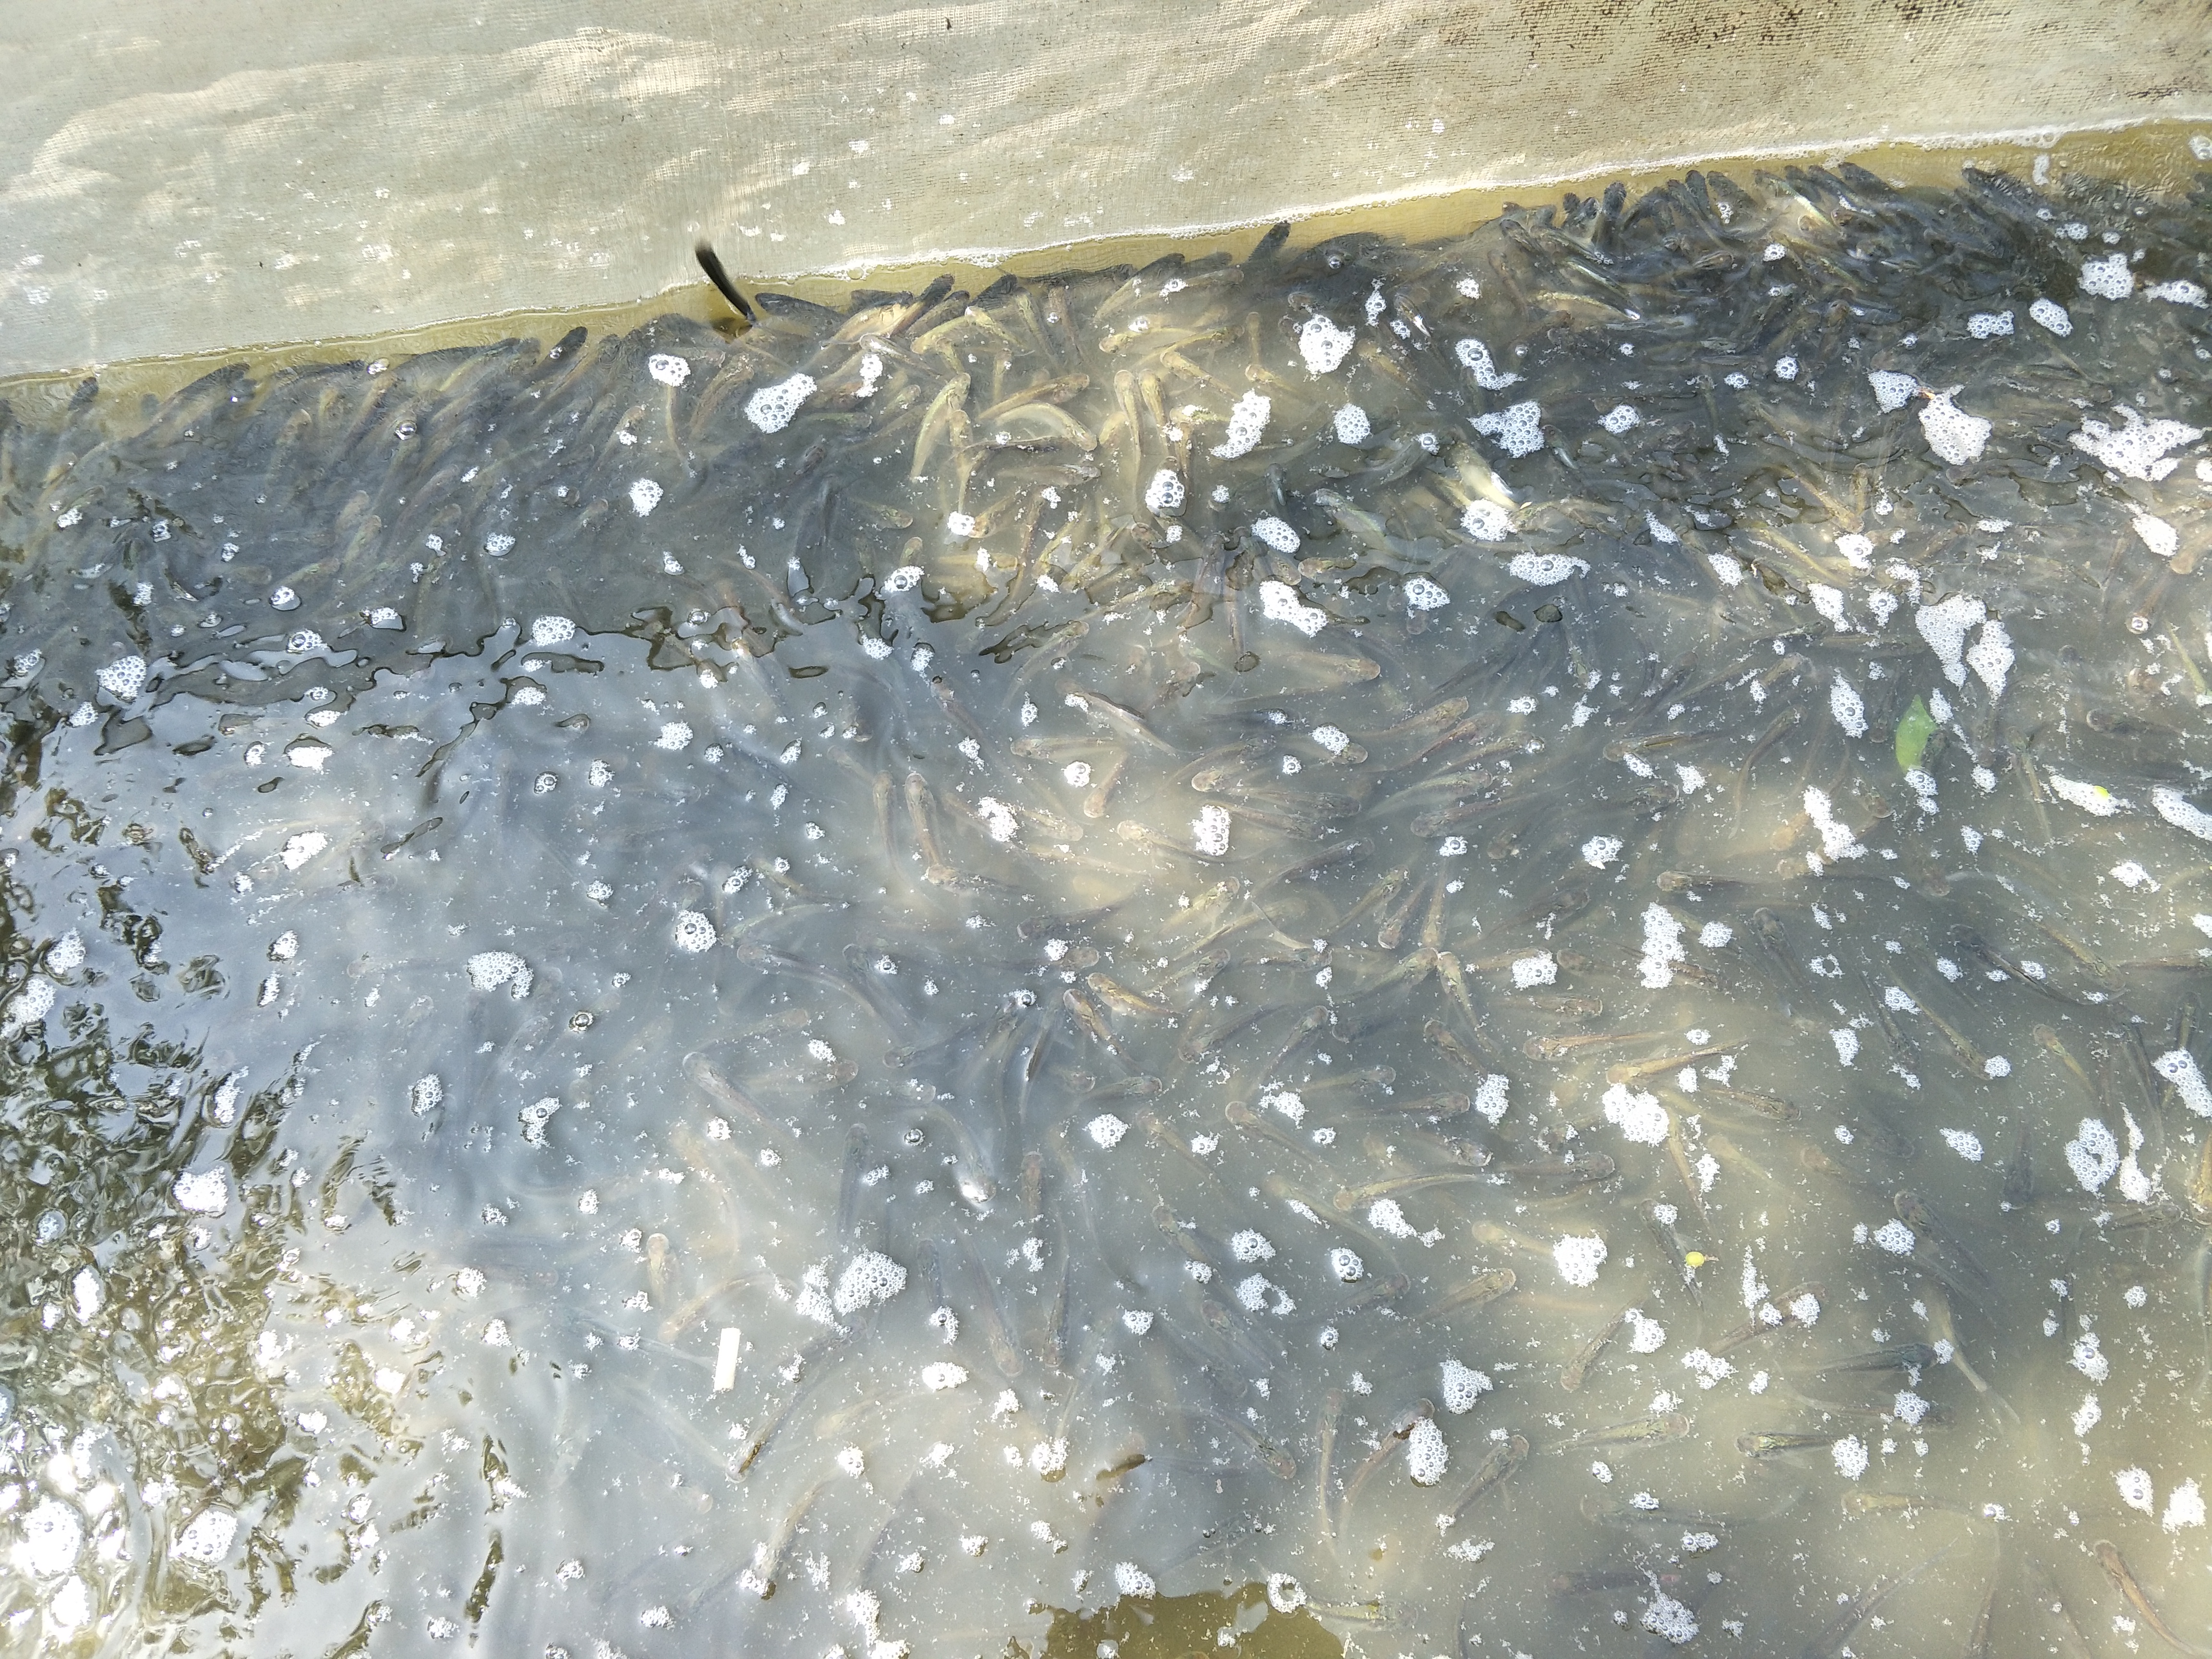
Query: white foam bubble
pixel 2179 1066
pixel 1892 390
pixel 1486 521
pixel 1518 430
pixel 1474 357
pixel 1529 972
pixel 693 933
pixel 1422 594
pixel 1251 1245
pixel 1165 492
pixel 869 1280
pixel 1967 1144
pixel 1579 1256
pixel 1427 1457
pixel 1248 421
pixel 1106 1130
pixel 2135 1488
pixel 1599 851
pixel 1670 1620
pixel 1850 1456
pixel 2138 449
pixel 206 1538
pixel 668 368
pixel 1323 345
pixel 2093 799
pixel 2051 315
pixel 1209 831
pixel 123 678
pixel 1620 418
pixel 1387 1216
pixel 2093 1155
pixel 1955 437
pixel 2108 278
pixel 1490 1096
pixel 1280 602
pixel 1462 1387
pixel 1638 1115
pixel 2156 534
pixel 771 407
pixel 1662 948
pixel 1276 534
pixel 1346 1264
pixel 53 1535
pixel 1546 569
pixel 203 1192
pixel 1848 708
pixel 1989 325
pixel 489 970
pixel 2184 1507
pixel 1352 425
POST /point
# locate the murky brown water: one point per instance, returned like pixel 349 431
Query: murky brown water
pixel 1487 946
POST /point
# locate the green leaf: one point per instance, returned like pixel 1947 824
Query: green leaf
pixel 1912 734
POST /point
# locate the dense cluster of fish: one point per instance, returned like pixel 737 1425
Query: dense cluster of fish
pixel 1467 947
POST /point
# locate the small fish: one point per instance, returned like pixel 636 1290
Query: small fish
pixel 2123 1579
pixel 1496 1468
pixel 711 264
pixel 1668 1425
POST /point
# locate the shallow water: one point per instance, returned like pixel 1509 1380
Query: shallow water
pixel 1043 988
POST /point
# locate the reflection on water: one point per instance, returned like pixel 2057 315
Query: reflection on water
pixel 1464 948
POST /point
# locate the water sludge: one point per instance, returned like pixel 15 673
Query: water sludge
pixel 1461 948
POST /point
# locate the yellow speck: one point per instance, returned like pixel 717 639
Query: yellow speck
pixel 1694 1258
